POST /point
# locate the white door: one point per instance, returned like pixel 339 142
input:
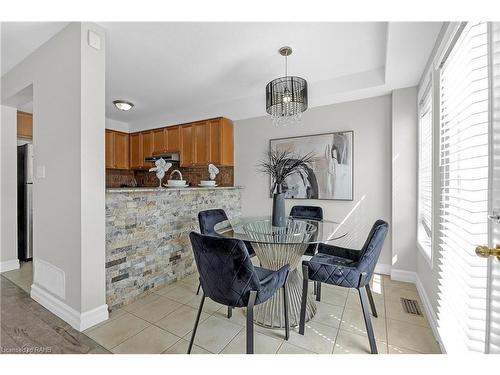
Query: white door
pixel 493 308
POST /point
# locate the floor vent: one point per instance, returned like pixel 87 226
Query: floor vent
pixel 410 306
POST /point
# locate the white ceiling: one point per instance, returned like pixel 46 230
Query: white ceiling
pixel 178 72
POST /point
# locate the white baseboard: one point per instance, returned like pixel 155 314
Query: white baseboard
pixel 9 265
pixel 429 312
pixel 384 269
pixel 79 321
pixel 405 276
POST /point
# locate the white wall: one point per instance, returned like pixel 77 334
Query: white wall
pixel 8 189
pixel 117 125
pixel 404 179
pixel 69 217
pixel 370 119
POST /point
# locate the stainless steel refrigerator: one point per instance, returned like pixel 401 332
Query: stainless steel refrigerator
pixel 25 201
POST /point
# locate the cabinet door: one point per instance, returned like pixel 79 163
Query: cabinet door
pixel 173 143
pixel 201 142
pixel 186 145
pixel 215 142
pixel 121 152
pixel 147 148
pixel 136 151
pixel 110 149
pixel 159 141
pixel 24 125
pixel 226 142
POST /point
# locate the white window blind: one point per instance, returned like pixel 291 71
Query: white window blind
pixel 463 191
pixel 424 230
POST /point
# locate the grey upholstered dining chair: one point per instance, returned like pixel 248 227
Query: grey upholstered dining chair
pixel 347 268
pixel 228 277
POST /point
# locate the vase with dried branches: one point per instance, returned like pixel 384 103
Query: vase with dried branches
pixel 279 164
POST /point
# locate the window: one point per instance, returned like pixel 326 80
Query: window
pixel 463 200
pixel 424 229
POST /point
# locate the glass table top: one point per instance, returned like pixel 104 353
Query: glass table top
pixel 258 229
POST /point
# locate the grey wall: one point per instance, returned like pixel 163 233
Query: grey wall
pixel 404 179
pixel 370 119
pixel 68 221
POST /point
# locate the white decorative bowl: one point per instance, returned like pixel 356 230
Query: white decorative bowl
pixel 176 183
pixel 207 183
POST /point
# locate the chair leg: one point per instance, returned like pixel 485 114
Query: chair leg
pixel 318 291
pixel 229 312
pixel 305 284
pixel 315 286
pixel 199 287
pixel 368 321
pixel 196 323
pixel 285 309
pixel 372 302
pixel 251 303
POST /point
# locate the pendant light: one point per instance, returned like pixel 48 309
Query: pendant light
pixel 286 97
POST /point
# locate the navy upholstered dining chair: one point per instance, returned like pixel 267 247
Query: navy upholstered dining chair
pixel 311 213
pixel 347 268
pixel 228 277
pixel 207 220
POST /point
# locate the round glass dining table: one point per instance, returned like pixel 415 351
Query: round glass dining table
pixel 276 247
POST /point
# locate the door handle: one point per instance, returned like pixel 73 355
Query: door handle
pixel 486 251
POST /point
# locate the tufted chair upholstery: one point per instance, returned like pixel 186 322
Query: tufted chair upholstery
pixel 227 274
pixel 209 218
pixel 228 277
pixel 347 268
pixel 311 213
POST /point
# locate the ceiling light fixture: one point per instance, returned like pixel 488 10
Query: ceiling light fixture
pixel 123 105
pixel 286 97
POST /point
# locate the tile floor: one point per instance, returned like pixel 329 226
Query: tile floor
pixel 162 322
pixel 22 277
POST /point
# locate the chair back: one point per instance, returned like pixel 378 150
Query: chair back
pixel 372 248
pixel 227 274
pixel 209 218
pixel 307 212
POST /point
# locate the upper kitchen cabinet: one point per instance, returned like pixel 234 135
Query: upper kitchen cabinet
pixel 173 138
pixel 186 145
pixel 147 147
pixel 136 155
pixel 117 150
pixel 24 125
pixel 201 143
pixel 159 140
pixel 221 142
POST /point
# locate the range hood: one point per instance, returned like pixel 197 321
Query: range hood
pixel 171 157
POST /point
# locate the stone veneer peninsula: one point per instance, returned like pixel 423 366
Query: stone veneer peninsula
pixel 147 243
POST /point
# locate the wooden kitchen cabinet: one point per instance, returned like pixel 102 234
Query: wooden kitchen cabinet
pixel 201 143
pixel 186 145
pixel 173 138
pixel 136 158
pixel 147 147
pixel 117 150
pixel 24 125
pixel 221 142
pixel 159 140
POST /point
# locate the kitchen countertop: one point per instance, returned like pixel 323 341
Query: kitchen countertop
pixel 157 189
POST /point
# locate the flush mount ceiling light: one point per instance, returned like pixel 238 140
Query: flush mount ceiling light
pixel 123 105
pixel 286 97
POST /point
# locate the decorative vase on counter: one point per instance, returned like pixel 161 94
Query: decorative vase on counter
pixel 279 219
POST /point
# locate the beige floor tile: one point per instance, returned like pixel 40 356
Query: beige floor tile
pixel 395 294
pixel 181 347
pixel 215 333
pixel 156 310
pixel 354 303
pixel 263 344
pixel 182 294
pixel 354 321
pixel 167 288
pixel 397 284
pixel 139 303
pixel 112 315
pixel 152 340
pixel 288 348
pixel 317 338
pixel 411 336
pixel 327 314
pixel 238 317
pixel 277 333
pixel 395 311
pixel 209 306
pixel 352 343
pixel 333 295
pixel 117 331
pixel 397 350
pixel 181 321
